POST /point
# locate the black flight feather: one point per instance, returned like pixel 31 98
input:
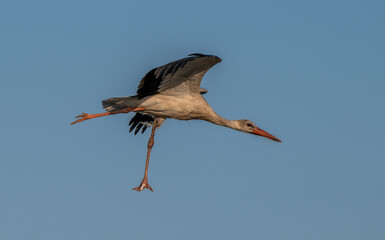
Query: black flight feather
pixel 140 121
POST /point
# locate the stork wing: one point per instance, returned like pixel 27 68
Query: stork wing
pixel 180 77
pixel 141 121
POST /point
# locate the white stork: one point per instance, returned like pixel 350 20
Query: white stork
pixel 172 91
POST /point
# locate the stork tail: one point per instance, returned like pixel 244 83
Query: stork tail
pixel 119 103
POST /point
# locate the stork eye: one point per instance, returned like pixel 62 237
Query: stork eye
pixel 250 125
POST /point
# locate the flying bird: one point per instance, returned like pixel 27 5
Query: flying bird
pixel 172 91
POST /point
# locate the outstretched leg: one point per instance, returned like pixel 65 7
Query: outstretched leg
pixel 144 184
pixel 86 116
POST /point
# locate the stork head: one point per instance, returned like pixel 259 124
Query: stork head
pixel 249 127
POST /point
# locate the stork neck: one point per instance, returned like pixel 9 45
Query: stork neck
pixel 218 120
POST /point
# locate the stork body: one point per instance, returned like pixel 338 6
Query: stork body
pixel 172 91
pixel 181 107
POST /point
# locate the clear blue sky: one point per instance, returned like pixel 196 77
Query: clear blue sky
pixel 309 72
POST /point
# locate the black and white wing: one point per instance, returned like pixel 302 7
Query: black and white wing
pixel 180 77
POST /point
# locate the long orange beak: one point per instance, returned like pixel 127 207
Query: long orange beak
pixel 262 133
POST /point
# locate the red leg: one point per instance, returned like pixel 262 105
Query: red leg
pixel 86 116
pixel 144 184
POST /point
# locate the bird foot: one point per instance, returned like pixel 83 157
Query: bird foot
pixel 83 116
pixel 144 184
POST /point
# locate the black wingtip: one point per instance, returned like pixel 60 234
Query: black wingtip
pixel 197 55
pixel 144 128
pixel 140 121
pixel 138 128
pixel 205 55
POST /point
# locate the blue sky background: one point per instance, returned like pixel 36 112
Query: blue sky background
pixel 309 72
